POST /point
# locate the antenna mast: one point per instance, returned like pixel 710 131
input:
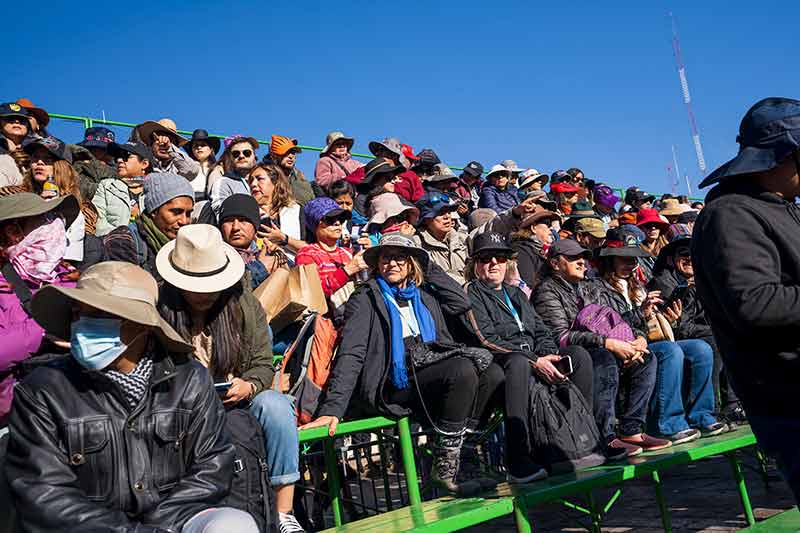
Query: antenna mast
pixel 687 100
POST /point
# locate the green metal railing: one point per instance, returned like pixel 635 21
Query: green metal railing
pixel 88 122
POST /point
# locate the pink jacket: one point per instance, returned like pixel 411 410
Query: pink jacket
pixel 329 169
pixel 20 336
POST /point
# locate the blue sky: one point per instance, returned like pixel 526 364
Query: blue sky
pixel 550 85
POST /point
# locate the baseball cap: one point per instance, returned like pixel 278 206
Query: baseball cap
pixel 568 247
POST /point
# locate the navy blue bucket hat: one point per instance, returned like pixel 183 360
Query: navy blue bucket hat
pixel 768 134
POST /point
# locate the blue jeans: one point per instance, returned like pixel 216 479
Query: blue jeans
pixel 637 386
pixel 684 393
pixel 275 412
pixel 778 436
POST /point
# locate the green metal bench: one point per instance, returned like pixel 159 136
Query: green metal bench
pixel 785 522
pixel 360 426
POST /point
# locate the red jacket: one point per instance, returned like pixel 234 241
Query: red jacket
pixel 409 187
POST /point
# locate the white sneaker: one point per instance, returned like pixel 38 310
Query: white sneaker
pixel 289 524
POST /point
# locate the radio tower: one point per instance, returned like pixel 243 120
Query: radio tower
pixel 687 99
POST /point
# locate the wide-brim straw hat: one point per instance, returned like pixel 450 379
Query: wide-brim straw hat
pixel 198 260
pixel 671 207
pixel 122 289
pixel 164 125
pixel 399 242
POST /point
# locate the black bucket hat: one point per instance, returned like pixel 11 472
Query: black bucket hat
pixel 53 145
pixel 378 167
pixel 621 242
pixel 768 133
pixel 202 135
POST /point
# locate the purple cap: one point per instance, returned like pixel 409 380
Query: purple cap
pixel 605 196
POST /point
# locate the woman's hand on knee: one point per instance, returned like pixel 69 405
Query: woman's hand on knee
pixel 330 421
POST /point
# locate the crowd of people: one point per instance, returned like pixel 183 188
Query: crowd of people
pixel 130 269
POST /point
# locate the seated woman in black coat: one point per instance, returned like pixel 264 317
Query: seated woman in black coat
pixel 404 302
pixel 503 321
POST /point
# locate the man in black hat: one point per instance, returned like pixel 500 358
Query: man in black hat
pixel 746 255
pixel 14 126
pixel 239 218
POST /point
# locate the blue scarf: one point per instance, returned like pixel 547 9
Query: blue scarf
pixel 427 327
pixel 358 219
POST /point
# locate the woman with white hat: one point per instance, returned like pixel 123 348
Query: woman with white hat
pixel 127 433
pixel 335 161
pixel 204 299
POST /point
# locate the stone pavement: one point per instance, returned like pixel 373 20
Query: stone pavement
pixel 701 496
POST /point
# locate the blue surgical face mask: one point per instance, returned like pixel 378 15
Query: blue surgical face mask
pixel 96 342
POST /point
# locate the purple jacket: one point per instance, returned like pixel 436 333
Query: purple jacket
pixel 20 336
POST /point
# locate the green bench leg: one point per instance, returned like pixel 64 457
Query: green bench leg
pixel 739 478
pixel 596 513
pixel 409 466
pixel 333 481
pixel 521 517
pixel 666 520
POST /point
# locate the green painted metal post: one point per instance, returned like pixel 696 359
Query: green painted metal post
pixel 763 466
pixel 521 516
pixel 333 481
pixel 738 476
pixel 666 520
pixel 597 515
pixel 409 466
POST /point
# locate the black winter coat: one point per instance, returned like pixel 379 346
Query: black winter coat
pixel 494 327
pixel 599 291
pixel 693 323
pixel 746 256
pixel 79 459
pixel 362 365
pixel 529 261
pixel 557 301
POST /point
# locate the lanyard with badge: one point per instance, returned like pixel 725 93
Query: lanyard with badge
pixel 513 311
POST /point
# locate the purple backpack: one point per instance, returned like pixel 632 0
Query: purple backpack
pixel 601 320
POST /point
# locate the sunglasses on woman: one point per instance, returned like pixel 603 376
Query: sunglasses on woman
pixel 241 153
pixel 330 221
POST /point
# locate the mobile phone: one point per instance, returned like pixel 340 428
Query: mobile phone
pixel 222 388
pixel 679 293
pixel 564 365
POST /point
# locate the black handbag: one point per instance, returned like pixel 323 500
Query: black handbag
pixel 424 354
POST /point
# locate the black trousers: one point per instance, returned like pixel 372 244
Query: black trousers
pixel 505 384
pixel 447 389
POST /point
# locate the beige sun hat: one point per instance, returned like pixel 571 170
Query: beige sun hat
pixel 671 207
pixel 336 136
pixel 121 289
pixel 389 205
pixel 198 260
pixel 165 125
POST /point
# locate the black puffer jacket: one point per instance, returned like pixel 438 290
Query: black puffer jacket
pixel 362 365
pixel 693 323
pixel 495 328
pixel 80 460
pixel 599 291
pixel 557 301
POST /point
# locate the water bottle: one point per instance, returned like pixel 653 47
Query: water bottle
pixel 363 275
pixel 50 189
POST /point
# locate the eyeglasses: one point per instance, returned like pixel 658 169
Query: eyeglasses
pixel 487 258
pixel 15 119
pixel 397 219
pixel 651 225
pixel 243 153
pixel 397 258
pixel 439 198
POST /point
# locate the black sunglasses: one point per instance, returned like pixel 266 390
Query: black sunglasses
pixel 243 153
pixel 330 221
pixel 487 258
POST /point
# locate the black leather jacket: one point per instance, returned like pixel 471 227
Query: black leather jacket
pixel 693 323
pixel 80 460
